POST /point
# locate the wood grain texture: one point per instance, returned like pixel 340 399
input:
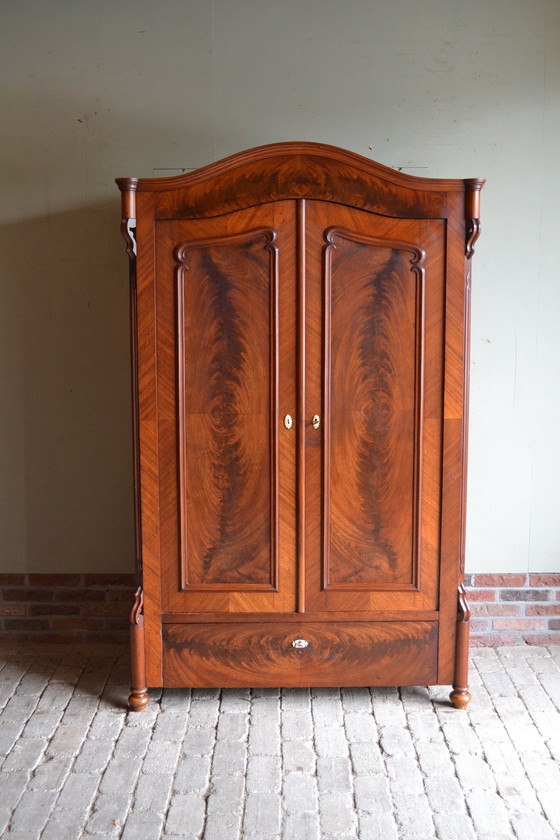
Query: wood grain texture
pixel 350 653
pixel 227 378
pixel 373 490
pixel 373 339
pixel 228 435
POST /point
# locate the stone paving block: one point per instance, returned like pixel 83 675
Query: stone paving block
pixel 404 776
pixel 434 758
pixel 33 810
pixel 550 802
pixel 326 707
pixel 63 825
pixel 230 758
pixel 360 728
pixel 175 699
pixel 366 758
pixel 68 738
pixel 264 774
pixel 264 740
pixel 170 726
pixel 235 700
pixel 454 827
pixel 186 815
pixel 25 755
pixel 12 786
pixel 132 742
pixel 222 826
pixel 334 773
pixel 533 826
pixel 262 815
pixel 378 826
pixel 198 742
pixel 78 792
pixel 424 726
pixel 143 824
pixel 488 812
pixel 106 726
pixel 299 793
pixel 413 815
pixel 372 795
pixel 301 826
pixel 296 699
pixel 445 794
pixel 233 726
pixel 387 707
pixel 9 733
pixel 94 756
pixel 42 724
pixel 192 774
pixel 161 757
pixel 298 756
pixel 109 814
pixel 357 700
pixel 461 737
pixel 120 776
pixel 264 712
pixel 414 698
pixel 226 795
pixel 474 773
pixel 203 713
pixel 396 740
pixel 331 741
pixel 152 792
pixel 336 813
pixel 55 696
pixel 543 771
pixel 50 774
pixel 297 725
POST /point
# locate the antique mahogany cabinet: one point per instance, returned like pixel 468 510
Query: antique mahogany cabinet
pixel 300 363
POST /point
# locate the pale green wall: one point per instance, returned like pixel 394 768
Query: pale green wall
pixel 95 90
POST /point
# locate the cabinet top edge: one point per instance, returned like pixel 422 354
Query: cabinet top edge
pixel 268 153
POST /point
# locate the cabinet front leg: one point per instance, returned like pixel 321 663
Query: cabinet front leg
pixel 460 696
pixel 139 697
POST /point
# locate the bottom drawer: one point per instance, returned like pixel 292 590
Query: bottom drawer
pixel 306 654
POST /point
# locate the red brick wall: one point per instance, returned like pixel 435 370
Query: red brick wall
pixel 506 609
pixel 512 609
pixel 58 608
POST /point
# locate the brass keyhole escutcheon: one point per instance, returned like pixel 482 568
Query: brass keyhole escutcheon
pixel 316 422
pixel 288 421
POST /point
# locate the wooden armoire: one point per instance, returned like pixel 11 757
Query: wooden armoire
pixel 300 365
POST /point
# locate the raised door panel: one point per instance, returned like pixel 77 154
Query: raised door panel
pixel 373 466
pixel 227 385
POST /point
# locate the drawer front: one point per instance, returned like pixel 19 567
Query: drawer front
pixel 306 654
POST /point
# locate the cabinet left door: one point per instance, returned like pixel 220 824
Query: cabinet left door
pixel 225 325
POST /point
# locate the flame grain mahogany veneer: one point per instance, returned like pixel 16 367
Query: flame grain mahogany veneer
pixel 300 362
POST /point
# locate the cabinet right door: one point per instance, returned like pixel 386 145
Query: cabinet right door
pixel 374 349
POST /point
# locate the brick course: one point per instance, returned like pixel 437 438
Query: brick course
pixel 506 608
pixel 65 607
pixel 514 609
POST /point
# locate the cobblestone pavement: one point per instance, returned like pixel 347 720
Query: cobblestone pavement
pixel 290 765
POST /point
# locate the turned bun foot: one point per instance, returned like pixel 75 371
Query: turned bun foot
pixel 460 698
pixel 138 699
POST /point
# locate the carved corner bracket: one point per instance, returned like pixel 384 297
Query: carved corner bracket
pixel 463 607
pixel 472 234
pixel 473 187
pixel 128 230
pixel 137 611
